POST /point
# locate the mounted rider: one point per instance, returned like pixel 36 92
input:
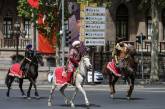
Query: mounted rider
pixel 73 60
pixel 119 53
pixel 29 53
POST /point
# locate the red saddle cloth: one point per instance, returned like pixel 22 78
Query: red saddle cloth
pixel 16 71
pixel 112 67
pixel 59 78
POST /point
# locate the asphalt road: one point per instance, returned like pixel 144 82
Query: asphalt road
pixel 142 98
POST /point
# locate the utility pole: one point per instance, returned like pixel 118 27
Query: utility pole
pixel 63 35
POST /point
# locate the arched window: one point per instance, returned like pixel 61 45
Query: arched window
pixel 122 22
pixel 163 22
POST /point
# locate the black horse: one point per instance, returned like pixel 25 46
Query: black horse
pixel 31 75
pixel 127 69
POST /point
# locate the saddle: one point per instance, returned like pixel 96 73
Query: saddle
pixel 16 71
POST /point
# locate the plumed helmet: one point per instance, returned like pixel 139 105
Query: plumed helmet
pixel 29 46
pixel 77 42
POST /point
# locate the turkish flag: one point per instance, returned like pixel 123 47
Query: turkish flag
pixel 45 45
pixel 34 3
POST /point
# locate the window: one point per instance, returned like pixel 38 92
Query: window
pixel 149 28
pixel 122 22
pixel 27 25
pixel 7 26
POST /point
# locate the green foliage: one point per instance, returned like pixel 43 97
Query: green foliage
pixel 146 4
pixel 106 3
pixel 50 9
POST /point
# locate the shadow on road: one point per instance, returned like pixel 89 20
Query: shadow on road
pixel 80 105
pixel 124 98
pixel 32 98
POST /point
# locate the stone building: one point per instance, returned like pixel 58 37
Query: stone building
pixel 124 20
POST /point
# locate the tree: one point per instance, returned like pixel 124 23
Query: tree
pixel 155 6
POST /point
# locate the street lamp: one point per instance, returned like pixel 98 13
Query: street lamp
pixel 16 32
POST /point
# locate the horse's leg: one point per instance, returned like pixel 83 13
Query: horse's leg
pixel 131 86
pixel 20 86
pixel 110 85
pixel 113 82
pixel 35 87
pixel 79 80
pixel 74 94
pixel 28 92
pixel 67 100
pixel 50 95
pixel 62 89
pixel 9 83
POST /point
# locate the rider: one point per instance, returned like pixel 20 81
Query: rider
pixel 29 53
pixel 119 53
pixel 73 60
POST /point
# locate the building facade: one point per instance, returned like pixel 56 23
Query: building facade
pixel 125 20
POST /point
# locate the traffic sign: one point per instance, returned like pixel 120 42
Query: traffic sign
pixel 98 34
pixel 93 25
pixel 98 11
pixel 95 19
pixel 94 42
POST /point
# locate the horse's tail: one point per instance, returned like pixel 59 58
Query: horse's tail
pixel 7 78
pixel 105 70
pixel 50 75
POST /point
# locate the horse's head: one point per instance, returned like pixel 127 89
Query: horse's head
pixel 86 62
pixel 37 58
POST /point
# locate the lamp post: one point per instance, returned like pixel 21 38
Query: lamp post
pixel 16 32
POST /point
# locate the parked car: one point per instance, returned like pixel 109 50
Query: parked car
pixel 98 77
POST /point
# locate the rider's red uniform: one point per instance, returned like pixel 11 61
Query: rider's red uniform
pixel 73 62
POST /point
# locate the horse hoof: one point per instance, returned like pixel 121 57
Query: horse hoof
pixel 37 97
pixel 128 98
pixel 24 96
pixel 7 94
pixel 66 102
pixel 87 104
pixel 72 106
pixel 49 104
pixel 29 98
pixel 112 96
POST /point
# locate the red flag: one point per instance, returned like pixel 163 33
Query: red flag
pixel 44 45
pixel 34 3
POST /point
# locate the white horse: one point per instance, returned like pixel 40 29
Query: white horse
pixel 79 80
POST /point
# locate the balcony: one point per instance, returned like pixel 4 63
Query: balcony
pixel 11 44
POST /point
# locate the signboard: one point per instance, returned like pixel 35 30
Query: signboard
pixel 91 42
pixel 93 25
pixel 100 34
pixel 95 19
pixel 98 11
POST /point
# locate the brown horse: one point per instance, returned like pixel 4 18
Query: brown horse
pixel 127 70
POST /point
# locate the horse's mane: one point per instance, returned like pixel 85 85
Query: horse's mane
pixel 131 50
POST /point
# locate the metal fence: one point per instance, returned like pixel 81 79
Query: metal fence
pixel 143 57
pixel 11 44
pixel 103 54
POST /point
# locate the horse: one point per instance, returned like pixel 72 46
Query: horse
pixel 31 74
pixel 127 70
pixel 79 78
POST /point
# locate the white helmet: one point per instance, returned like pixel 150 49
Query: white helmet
pixel 77 42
